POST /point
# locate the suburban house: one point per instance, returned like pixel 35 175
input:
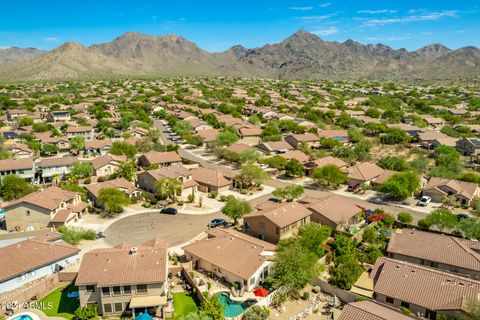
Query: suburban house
pixel 107 164
pixel 125 280
pixel 334 211
pixel 295 154
pixel 238 148
pixel 277 222
pixel 20 151
pixel 328 160
pixel 100 147
pixel 468 146
pixel 162 159
pixel 51 167
pixel 233 256
pixel 211 180
pixel 86 132
pixel 208 135
pixel 364 172
pixel 463 192
pixel 274 147
pixel 309 139
pixel 24 168
pixel 13 114
pixel 121 184
pixel 29 260
pixel 44 208
pixel 425 291
pixel 198 125
pixel 434 250
pixel 59 116
pixel 433 122
pixel 62 143
pixel 448 141
pixel 425 138
pixel 147 179
pixel 249 132
pixel 369 310
pixel 341 135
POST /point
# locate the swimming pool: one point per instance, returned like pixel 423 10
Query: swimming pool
pixel 232 308
pixel 22 317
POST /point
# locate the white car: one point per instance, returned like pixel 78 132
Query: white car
pixel 424 201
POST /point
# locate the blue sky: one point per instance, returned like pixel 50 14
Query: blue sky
pixel 218 25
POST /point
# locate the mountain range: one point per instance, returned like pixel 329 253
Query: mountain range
pixel 303 55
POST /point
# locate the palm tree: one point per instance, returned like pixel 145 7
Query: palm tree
pixel 168 188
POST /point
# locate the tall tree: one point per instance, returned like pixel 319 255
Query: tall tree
pixel 329 175
pixel 294 168
pixel 113 200
pixel 289 193
pixel 168 188
pixel 126 170
pixel 13 187
pixel 236 208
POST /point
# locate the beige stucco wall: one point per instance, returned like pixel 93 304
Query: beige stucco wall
pixel 39 218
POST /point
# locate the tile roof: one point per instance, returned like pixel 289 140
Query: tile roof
pixel 306 137
pixel 49 198
pixel 101 161
pixel 467 189
pixel 72 129
pixel 238 147
pixel 284 214
pixel 369 310
pixel 54 162
pixel 425 287
pixel 10 164
pixel 364 171
pixel 329 160
pixel 32 254
pixel 208 135
pixel 120 183
pixel 210 177
pixel 156 157
pixel 125 265
pixel 434 247
pixel 97 144
pixel 276 145
pixel 231 252
pixel 335 208
pixel 295 154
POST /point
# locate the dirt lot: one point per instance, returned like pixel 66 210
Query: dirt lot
pixel 176 229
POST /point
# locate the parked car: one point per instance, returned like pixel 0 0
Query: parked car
pixel 263 166
pixel 462 216
pixel 353 187
pixel 100 235
pixel 218 222
pixel 424 201
pixel 274 200
pixel 171 211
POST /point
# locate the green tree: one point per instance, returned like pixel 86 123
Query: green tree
pixel 77 144
pixel 354 135
pixel 394 163
pixel 212 307
pixel 294 168
pixel 329 174
pixel 168 188
pixel 25 121
pixel 250 175
pixel 81 170
pixel 113 200
pixel 419 164
pixel 49 149
pixel 236 208
pixel 345 274
pixel 75 188
pixel 294 267
pixel 13 187
pixel 122 148
pixel 256 312
pixel 441 218
pixel 199 315
pixel 311 236
pixel 88 312
pixel 394 136
pixel 126 170
pixel 401 185
pixel 227 137
pixel 196 140
pixel 289 193
pixel 276 162
pixel 250 156
pixel 271 133
pixel 405 217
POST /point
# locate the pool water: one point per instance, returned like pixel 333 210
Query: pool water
pixel 232 308
pixel 23 317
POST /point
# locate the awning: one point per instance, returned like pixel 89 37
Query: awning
pixel 147 301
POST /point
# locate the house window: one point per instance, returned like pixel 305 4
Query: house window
pixel 127 290
pixel 141 288
pixel 107 308
pixel 90 289
pixel 252 281
pixel 261 225
pixel 116 291
pixel 389 300
pixel 105 291
pixel 118 307
pixel 405 304
pixel 28 213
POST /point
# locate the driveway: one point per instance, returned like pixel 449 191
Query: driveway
pixel 176 229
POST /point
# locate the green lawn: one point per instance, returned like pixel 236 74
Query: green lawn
pixel 183 304
pixel 62 306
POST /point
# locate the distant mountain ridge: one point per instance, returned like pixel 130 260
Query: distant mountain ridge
pixel 302 55
pixel 16 54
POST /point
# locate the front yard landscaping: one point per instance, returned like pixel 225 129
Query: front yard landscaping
pixel 61 305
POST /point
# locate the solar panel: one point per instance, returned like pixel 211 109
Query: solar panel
pixel 475 142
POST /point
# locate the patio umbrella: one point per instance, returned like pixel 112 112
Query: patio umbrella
pixel 260 292
pixel 144 316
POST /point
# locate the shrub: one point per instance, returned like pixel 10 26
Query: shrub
pixel 87 181
pixel 147 205
pixel 223 198
pixel 101 179
pixel 75 235
pixel 153 201
pixel 404 217
pixel 423 223
pixel 191 198
pixel 213 194
pixel 405 310
pixel 388 220
pixel 306 295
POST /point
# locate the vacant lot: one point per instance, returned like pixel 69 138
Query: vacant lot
pixel 176 229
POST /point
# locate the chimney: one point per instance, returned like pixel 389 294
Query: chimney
pixel 133 250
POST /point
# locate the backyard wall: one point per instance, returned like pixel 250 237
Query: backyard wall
pixel 197 292
pixel 344 296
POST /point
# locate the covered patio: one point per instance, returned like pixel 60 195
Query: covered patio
pixel 153 305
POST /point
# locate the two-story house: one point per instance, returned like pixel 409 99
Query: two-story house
pixel 161 159
pixel 86 132
pixel 468 146
pixel 24 168
pixel 276 222
pixel 51 167
pixel 107 164
pixel 127 187
pixel 44 208
pixel 148 179
pixel 59 116
pixel 125 279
